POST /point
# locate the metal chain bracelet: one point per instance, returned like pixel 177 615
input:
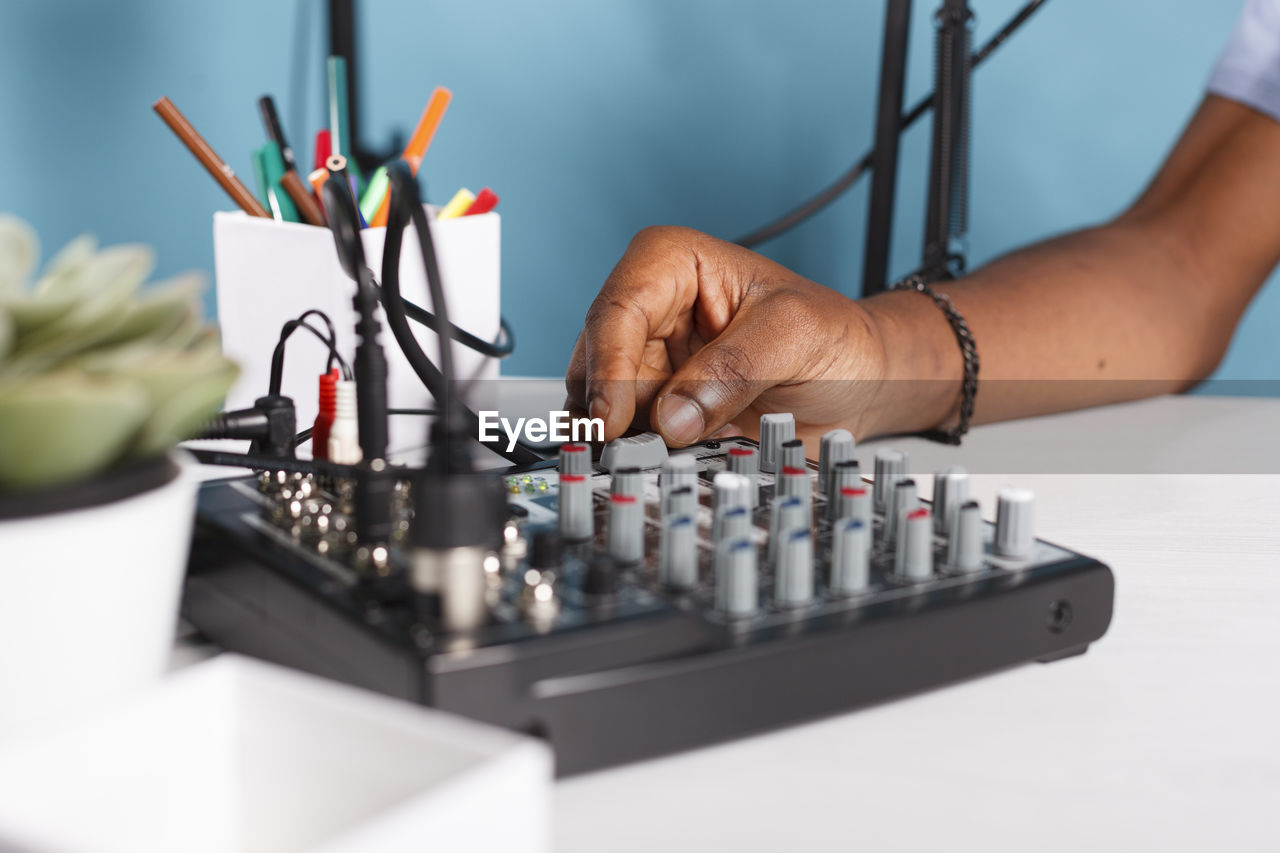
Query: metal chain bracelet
pixel 968 350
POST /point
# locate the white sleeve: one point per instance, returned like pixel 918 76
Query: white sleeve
pixel 1249 69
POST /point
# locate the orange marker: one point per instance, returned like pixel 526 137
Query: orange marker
pixel 418 144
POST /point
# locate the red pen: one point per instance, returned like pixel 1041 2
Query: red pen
pixel 323 149
pixel 486 200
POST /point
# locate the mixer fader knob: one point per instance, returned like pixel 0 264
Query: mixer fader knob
pixel 793 580
pixel 792 454
pixel 786 514
pixel 950 490
pixel 914 558
pixel 626 528
pixel 575 459
pixel 678 471
pixel 628 481
pixel 850 557
pixel 736 583
pixel 729 490
pixel 846 474
pixel 1015 523
pixel 837 446
pixel 905 499
pixel 964 540
pixel 853 502
pixel 745 461
pixel 774 430
pixel 678 561
pixel 574 505
pixel 682 501
pixel 891 466
pixel 793 482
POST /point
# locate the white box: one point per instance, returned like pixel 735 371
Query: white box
pixel 269 272
pixel 238 755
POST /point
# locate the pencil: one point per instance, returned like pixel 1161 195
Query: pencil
pixel 418 143
pixel 339 143
pixel 306 202
pixel 208 158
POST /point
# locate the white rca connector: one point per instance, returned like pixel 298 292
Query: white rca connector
pixel 344 435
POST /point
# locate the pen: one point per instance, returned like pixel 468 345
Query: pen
pixel 208 158
pixel 418 143
pixel 271 121
pixel 322 150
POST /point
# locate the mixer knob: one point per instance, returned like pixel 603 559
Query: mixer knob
pixel 628 481
pixel 792 454
pixel 905 499
pixel 774 430
pixel 853 502
pixel 677 472
pixel 575 459
pixel 729 490
pixel 837 446
pixel 964 541
pixel 735 524
pixel 786 514
pixel 682 501
pixel 736 584
pixel 794 578
pixel 1015 523
pixel 601 578
pixel 678 560
pixel 577 521
pixel 850 557
pixel 626 528
pixel 846 474
pixel 950 490
pixel 745 461
pixel 646 450
pixel 914 558
pixel 546 550
pixel 793 482
pixel 891 466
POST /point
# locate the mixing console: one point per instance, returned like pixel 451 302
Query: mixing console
pixel 651 601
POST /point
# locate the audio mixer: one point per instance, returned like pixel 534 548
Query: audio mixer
pixel 646 601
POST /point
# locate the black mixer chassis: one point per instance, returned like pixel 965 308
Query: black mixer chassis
pixel 643 675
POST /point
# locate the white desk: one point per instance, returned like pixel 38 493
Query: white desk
pixel 1165 736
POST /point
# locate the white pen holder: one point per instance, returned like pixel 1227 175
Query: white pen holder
pixel 270 272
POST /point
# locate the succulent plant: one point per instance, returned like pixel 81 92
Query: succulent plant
pixel 95 370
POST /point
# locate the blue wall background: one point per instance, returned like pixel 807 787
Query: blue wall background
pixel 594 118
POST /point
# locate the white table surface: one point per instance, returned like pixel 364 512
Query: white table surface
pixel 1165 736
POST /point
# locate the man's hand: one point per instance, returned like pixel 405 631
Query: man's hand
pixel 697 337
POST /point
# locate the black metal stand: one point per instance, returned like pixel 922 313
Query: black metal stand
pixel 884 174
pixel 947 213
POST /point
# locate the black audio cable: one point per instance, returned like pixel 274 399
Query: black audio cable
pixel 837 188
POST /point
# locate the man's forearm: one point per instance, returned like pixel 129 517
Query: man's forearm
pixel 1144 305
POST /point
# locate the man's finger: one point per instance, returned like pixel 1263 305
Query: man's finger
pixel 719 381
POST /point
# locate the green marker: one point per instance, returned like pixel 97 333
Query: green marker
pixel 340 141
pixel 260 174
pixel 372 197
pixel 273 162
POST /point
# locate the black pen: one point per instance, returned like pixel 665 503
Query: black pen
pixel 270 120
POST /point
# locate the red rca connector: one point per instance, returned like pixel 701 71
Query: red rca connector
pixel 324 416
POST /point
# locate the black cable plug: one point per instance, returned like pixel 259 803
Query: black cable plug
pixel 270 424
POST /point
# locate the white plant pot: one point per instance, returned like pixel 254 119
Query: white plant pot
pixel 89 602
